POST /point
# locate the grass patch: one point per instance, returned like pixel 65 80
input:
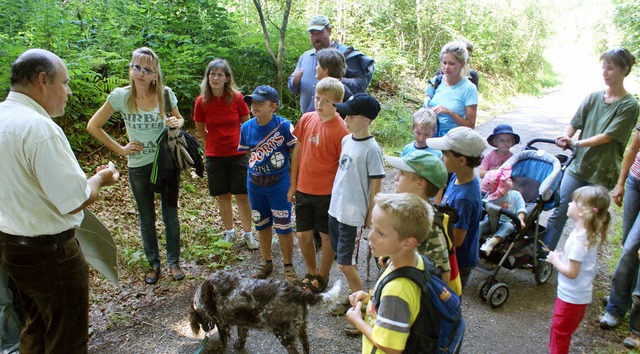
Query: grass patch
pixel 615 239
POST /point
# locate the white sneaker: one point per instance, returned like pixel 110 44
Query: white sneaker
pixel 488 245
pixel 229 236
pixel 609 321
pixel 250 241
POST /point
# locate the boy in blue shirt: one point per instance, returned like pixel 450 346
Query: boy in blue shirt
pixel 462 149
pixel 268 139
pixel 425 123
pixel 358 180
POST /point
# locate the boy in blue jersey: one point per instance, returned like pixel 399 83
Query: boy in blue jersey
pixel 268 139
pixel 462 149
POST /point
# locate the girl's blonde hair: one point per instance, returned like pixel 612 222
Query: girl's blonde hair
pixel 156 85
pixel 593 202
pixel 229 87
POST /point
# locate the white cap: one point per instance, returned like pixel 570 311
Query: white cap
pixel 463 140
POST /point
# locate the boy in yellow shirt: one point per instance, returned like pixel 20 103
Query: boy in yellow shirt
pixel 401 222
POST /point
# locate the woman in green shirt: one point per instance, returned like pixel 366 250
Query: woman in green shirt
pixel 605 120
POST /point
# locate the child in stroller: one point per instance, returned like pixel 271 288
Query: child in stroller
pixel 536 174
pixel 497 185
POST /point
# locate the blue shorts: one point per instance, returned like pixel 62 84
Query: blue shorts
pixel 271 209
pixel 345 240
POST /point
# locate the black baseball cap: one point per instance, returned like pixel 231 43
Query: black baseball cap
pixel 359 104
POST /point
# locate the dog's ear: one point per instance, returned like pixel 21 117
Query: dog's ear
pixel 208 297
pixel 203 307
pixel 195 320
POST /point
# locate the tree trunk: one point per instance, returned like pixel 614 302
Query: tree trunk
pixel 276 58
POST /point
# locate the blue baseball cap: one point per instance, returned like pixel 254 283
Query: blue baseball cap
pixel 263 93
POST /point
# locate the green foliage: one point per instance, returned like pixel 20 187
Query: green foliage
pixel 627 19
pixel 404 37
pixel 206 246
pixel 392 128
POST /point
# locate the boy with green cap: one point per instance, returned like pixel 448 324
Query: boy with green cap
pixel 423 174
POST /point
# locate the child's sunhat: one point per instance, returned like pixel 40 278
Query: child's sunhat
pixel 422 163
pixel 503 129
pixel 463 140
pixel 494 182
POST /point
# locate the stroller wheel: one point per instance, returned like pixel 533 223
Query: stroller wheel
pixel 543 272
pixel 483 289
pixel 498 295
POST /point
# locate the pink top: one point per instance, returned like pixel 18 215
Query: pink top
pixel 491 161
pixel 635 168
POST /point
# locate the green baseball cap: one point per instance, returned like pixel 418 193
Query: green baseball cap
pixel 422 163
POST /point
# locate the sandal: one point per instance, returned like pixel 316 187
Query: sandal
pixel 305 283
pixel 322 284
pixel 290 274
pixel 632 341
pixel 308 284
pixel 264 270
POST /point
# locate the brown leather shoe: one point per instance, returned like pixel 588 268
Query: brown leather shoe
pixel 176 272
pixel 153 276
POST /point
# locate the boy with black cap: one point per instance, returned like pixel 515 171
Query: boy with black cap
pixel 268 139
pixel 462 149
pixel 358 180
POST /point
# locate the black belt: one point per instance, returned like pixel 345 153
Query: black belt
pixel 37 241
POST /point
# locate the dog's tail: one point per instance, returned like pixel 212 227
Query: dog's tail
pixel 332 295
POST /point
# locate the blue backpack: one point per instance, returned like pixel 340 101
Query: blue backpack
pixel 439 326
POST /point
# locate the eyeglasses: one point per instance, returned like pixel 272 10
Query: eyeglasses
pixel 147 71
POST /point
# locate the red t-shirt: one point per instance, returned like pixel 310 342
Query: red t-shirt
pixel 320 147
pixel 222 122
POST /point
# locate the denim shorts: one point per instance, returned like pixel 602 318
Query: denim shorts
pixel 345 241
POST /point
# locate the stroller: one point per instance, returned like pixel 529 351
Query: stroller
pixel 536 174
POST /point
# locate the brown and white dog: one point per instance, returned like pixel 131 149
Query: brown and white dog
pixel 225 299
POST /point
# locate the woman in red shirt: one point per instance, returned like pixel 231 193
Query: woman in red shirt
pixel 219 112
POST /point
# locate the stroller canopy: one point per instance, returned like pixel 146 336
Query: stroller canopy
pixel 535 173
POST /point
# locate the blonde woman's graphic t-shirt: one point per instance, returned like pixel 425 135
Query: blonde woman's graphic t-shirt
pixel 143 126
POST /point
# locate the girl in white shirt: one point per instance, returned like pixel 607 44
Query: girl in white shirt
pixel 576 265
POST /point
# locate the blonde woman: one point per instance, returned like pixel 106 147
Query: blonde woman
pixel 141 105
pixel 455 100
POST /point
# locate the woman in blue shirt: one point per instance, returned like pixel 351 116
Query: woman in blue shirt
pixel 455 100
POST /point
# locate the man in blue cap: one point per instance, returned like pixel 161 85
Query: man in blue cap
pixel 303 80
